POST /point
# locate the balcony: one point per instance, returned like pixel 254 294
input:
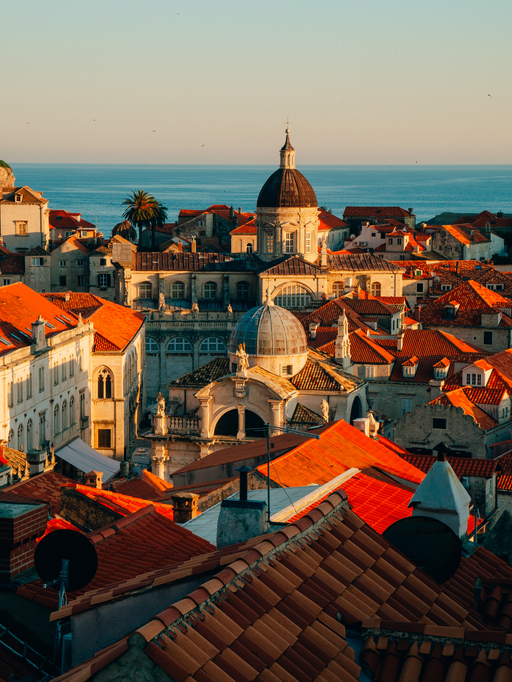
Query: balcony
pixel 184 426
pixel 84 423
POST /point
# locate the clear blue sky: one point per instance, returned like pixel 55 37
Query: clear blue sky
pixel 213 81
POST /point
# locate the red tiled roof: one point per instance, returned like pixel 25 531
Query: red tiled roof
pixel 115 326
pixel 279 610
pixel 485 396
pixel 146 261
pixel 148 487
pixel 73 241
pixel 363 349
pixel 458 398
pixel 20 306
pixel 375 212
pixel 465 234
pixel 247 228
pixel 328 221
pixel 340 447
pixel 13 264
pixel 474 300
pixel 321 376
pixel 462 466
pixel 66 221
pixel 43 488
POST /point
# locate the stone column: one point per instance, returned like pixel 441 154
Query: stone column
pixel 275 415
pixel 241 422
pixel 158 458
pixel 193 289
pixel 205 416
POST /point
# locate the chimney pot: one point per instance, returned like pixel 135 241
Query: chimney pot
pixel 185 506
pixel 244 471
pixel 93 479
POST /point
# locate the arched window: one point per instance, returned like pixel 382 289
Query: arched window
pixel 145 290
pixel 29 435
pixel 71 366
pixel 243 290
pixel 376 289
pixel 20 437
pixel 178 290
pixel 19 390
pixel 64 415
pixel 104 384
pixel 212 345
pixel 56 420
pixel 72 410
pixel 179 345
pixel 249 247
pixel 152 347
pixel 293 296
pixel 338 288
pixel 210 290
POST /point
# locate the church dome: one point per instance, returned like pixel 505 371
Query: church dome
pixel 269 330
pixel 287 187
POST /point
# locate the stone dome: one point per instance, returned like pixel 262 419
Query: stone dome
pixel 285 188
pixel 270 331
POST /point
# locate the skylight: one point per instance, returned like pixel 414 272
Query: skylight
pixel 50 325
pixel 14 336
pixel 4 341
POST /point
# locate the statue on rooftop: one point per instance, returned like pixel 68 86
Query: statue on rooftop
pixel 160 401
pixel 324 406
pixel 243 360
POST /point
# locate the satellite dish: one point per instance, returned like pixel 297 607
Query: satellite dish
pixel 428 543
pixel 68 545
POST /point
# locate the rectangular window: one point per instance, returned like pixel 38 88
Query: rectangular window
pixel 19 391
pixel 103 281
pixel 37 262
pixel 64 371
pixel 439 423
pixel 405 406
pixel 9 394
pixel 488 338
pixel 56 375
pixel 104 438
pixel 6 282
pixel 419 287
pixel 71 367
pixel 286 370
pixel 370 371
pixel 103 261
pixel 42 428
pixel 308 242
pixel 81 280
pixel 269 242
pixel 399 241
pixel 41 379
pixel 63 280
pixel 62 263
pixel 80 263
pixel 289 242
pixel 21 228
pixel 29 386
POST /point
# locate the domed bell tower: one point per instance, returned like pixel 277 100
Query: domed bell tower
pixel 287 212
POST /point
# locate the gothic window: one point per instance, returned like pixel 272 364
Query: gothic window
pixel 64 415
pixel 179 345
pixel 11 438
pixel 151 346
pixel 293 296
pixel 249 247
pixel 56 420
pixel 104 384
pixel 72 410
pixel 29 435
pixel 210 290
pixel 42 428
pixel 55 374
pixel 289 242
pixel 243 290
pixel 212 345
pixel 376 289
pixel 145 290
pixel 29 386
pixel 338 288
pixel 20 437
pixel 178 290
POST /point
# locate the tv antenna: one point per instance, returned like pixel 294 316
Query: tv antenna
pixel 66 558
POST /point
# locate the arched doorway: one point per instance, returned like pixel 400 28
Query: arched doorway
pixel 228 424
pixel 356 410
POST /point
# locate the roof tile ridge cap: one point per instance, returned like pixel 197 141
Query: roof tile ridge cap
pixel 134 516
pixel 337 499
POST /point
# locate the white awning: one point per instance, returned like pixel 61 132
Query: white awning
pixel 85 459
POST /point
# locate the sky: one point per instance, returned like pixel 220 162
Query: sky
pixel 214 81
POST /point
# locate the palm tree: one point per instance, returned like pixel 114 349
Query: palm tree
pixel 158 220
pixel 126 230
pixel 142 210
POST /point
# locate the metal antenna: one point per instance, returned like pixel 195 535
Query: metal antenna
pixel 283 429
pixel 63 580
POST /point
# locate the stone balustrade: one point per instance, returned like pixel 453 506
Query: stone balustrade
pixel 184 425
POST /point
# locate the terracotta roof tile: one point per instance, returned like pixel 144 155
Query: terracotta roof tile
pixel 463 466
pixel 375 212
pixel 147 487
pixel 321 376
pixel 45 487
pixel 458 398
pixel 183 261
pixel 213 370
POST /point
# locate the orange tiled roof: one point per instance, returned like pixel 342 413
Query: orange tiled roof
pixel 465 234
pixel 77 244
pixel 462 466
pixel 458 398
pixel 20 306
pixel 246 228
pixel 148 487
pixel 115 326
pixel 66 221
pixel 328 221
pixel 279 610
pixel 340 447
pixel 474 300
pixel 321 376
pixel 363 349
pixel 44 488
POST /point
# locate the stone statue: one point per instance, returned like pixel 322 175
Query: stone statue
pixel 243 361
pixel 230 308
pixel 160 400
pixel 324 406
pixel 161 301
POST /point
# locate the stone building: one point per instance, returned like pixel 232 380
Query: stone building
pixel 24 219
pixel 270 377
pixel 466 242
pixel 356 216
pixel 70 266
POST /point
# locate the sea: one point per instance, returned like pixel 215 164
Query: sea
pixel 97 190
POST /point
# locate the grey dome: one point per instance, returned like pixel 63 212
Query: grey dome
pixel 287 187
pixel 269 330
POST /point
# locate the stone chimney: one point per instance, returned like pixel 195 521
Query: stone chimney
pixel 185 506
pixel 36 460
pixel 39 334
pixel 242 519
pixel 20 526
pixel 342 347
pixel 442 496
pixel 313 326
pixel 193 245
pixel 94 479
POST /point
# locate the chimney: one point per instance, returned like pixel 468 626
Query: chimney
pixel 362 424
pixel 442 496
pixel 39 334
pixel 400 342
pixel 313 326
pixel 193 244
pixel 185 506
pixel 180 247
pixel 93 479
pixel 36 459
pixel 242 519
pixel 20 526
pixel 231 212
pixel 67 296
pixel 410 211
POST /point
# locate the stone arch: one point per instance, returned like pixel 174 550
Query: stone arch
pixel 292 295
pixel 227 424
pixel 356 410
